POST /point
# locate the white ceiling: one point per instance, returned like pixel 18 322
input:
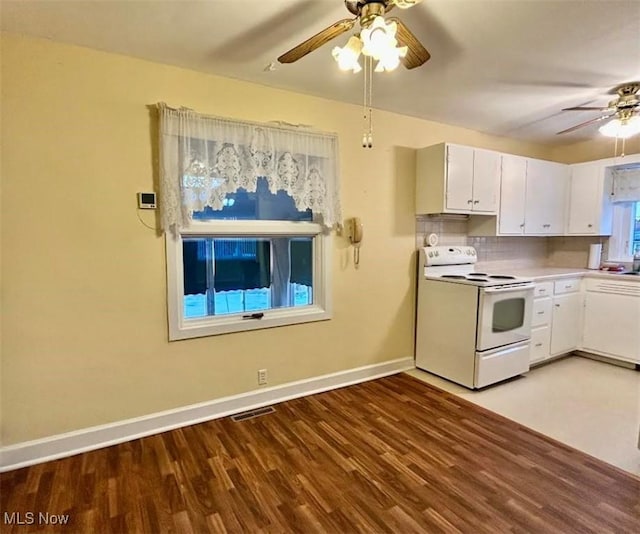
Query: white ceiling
pixel 505 67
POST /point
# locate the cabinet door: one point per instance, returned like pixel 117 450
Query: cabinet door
pixel 588 200
pixel 557 200
pixel 486 179
pixel 566 323
pixel 611 325
pixel 583 203
pixel 546 190
pixel 459 178
pixel 512 195
pixel 540 338
pixel 541 314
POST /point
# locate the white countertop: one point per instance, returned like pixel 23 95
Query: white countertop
pixel 544 273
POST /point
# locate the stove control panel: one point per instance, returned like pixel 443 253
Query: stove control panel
pixel 443 255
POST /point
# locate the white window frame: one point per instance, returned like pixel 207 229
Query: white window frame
pixel 621 240
pixel 320 310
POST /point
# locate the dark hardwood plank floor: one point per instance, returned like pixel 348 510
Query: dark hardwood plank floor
pixel 390 455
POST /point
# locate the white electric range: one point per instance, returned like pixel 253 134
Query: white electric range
pixel 472 328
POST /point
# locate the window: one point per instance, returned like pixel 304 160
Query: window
pixel 226 276
pixel 635 247
pixel 246 221
pixel 624 243
pixel 625 237
pixel 256 255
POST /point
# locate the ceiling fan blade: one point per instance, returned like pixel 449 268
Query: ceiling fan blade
pixel 580 108
pixel 317 40
pixel 597 119
pixel 417 54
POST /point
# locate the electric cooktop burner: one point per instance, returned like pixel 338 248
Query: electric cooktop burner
pixel 480 279
pixel 478 276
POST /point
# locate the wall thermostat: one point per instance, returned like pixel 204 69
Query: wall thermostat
pixel 147 201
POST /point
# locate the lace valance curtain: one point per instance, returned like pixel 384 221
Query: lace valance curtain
pixel 204 158
pixel 626 185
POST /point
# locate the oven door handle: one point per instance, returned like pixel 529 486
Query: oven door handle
pixel 510 289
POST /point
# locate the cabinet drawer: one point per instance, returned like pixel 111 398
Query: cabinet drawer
pixel 540 343
pixel 543 289
pixel 570 285
pixel 495 365
pixel 541 312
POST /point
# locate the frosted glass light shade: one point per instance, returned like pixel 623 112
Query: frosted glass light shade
pixel 378 38
pixel 622 129
pixel 347 57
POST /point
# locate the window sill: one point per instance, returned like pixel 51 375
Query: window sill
pixel 628 260
pixel 209 326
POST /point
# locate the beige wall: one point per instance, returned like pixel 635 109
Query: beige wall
pixel 84 328
pixel 598 148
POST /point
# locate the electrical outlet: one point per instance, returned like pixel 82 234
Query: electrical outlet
pixel 262 377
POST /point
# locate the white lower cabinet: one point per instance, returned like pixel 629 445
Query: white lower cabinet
pixel 596 315
pixel 566 323
pixel 540 343
pixel 541 322
pixel 557 318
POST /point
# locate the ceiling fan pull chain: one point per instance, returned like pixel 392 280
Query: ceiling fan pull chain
pixel 367 136
pixel 370 136
pixel 364 105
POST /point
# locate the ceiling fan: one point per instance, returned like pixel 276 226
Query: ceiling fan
pixel 365 12
pixel 625 107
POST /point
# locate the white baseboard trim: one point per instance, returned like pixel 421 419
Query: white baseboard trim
pixel 88 439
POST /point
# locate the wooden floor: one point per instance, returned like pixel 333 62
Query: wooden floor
pixel 390 455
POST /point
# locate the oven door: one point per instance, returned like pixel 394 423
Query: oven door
pixel 504 316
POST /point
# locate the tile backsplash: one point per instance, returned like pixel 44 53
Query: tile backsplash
pixel 523 251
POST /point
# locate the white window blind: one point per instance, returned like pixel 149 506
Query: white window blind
pixel 626 185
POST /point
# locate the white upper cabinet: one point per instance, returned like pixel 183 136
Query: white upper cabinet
pixel 512 195
pixel 533 197
pixel 540 198
pixel 457 179
pixel 545 200
pixel 590 208
pixel 486 181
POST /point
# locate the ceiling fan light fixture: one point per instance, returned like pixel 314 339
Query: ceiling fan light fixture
pixel 621 128
pixel 391 59
pixel 347 56
pixel 406 4
pixel 379 38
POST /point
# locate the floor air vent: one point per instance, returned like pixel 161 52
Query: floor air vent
pixel 253 413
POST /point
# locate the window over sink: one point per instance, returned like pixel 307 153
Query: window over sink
pixel 624 243
pixel 635 247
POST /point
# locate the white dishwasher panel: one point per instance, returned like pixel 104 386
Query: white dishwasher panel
pixel 612 324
